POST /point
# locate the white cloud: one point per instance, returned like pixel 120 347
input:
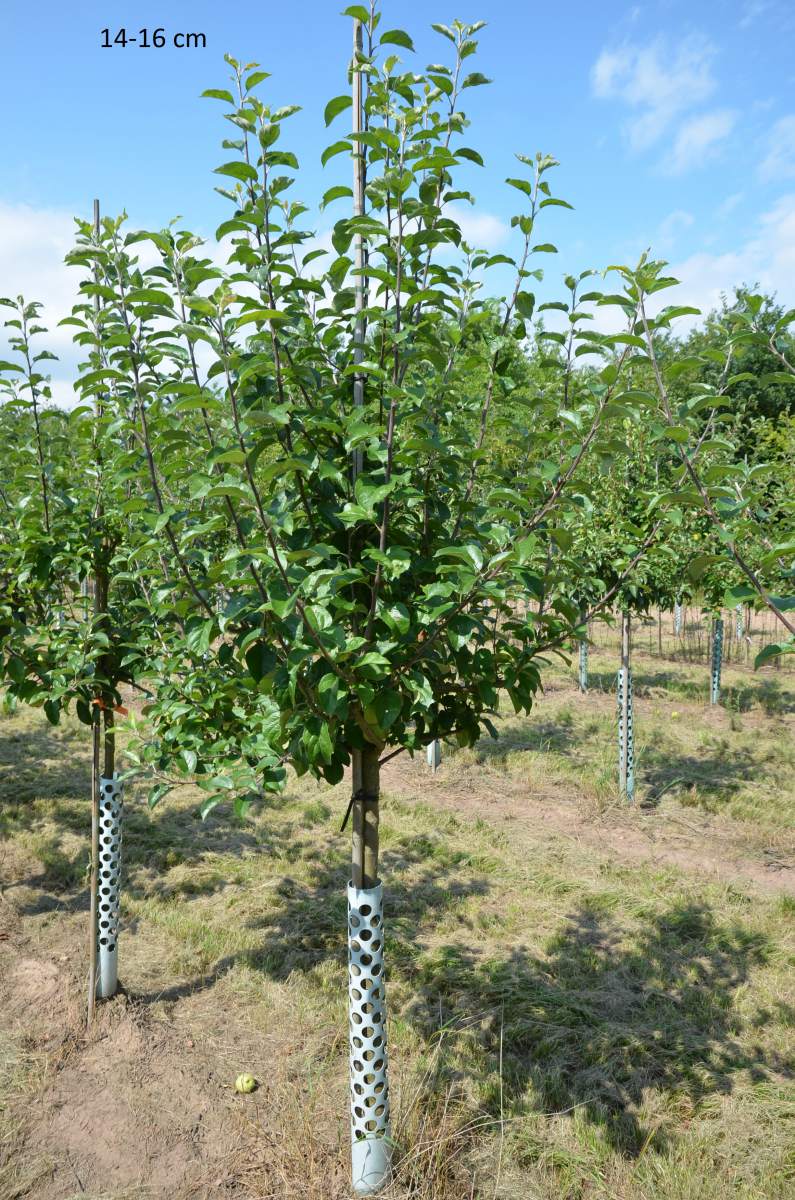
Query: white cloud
pixel 779 162
pixel 767 257
pixel 698 138
pixel 482 230
pixel 752 11
pixel 658 81
pixel 33 243
pixel 669 229
pixel 728 205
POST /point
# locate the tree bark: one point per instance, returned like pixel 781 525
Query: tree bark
pixel 366 786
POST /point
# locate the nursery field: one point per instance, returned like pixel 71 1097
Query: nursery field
pixel 586 1000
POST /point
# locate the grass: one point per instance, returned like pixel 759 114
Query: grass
pixel 565 1021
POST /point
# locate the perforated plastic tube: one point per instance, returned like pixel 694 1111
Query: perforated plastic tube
pixel 626 746
pixel 371 1148
pixel 109 876
pixel 677 618
pixel 717 659
pixel 583 666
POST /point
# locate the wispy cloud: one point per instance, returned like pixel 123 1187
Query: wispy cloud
pixel 779 161
pixel 669 229
pixel 728 205
pixel 767 257
pixel 753 10
pixel 698 139
pixel 479 228
pixel 659 81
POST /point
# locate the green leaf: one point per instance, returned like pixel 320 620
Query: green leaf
pixel 773 650
pixel 396 37
pixel 259 314
pixel 335 193
pixel 475 80
pixel 238 170
pixel 333 149
pixel 157 793
pixel 219 94
pixel 335 107
pixel 189 757
pixel 260 660
pixel 387 706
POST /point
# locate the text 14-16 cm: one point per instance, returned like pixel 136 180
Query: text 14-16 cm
pixel 146 39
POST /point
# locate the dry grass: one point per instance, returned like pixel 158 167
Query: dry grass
pixel 567 1019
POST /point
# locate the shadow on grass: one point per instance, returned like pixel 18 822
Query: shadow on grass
pixel 593 1026
pixel 597 1022
pixel 309 926
pixel 45 790
pixel 557 735
pixel 715 775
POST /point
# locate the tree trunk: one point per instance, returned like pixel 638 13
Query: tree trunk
pixel 364 849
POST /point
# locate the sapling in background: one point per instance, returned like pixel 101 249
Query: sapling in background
pixel 59 530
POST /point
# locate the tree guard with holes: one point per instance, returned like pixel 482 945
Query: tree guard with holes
pixel 740 627
pixel 583 666
pixel 371 1148
pixel 110 822
pixel 677 619
pixel 626 740
pixel 717 659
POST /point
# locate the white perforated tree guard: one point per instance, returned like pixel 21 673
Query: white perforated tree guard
pixel 740 627
pixel 109 876
pixel 626 736
pixel 583 666
pixel 677 619
pixel 717 659
pixel 371 1148
pixel 434 755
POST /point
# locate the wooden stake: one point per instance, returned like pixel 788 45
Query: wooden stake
pixel 365 769
pixel 359 257
pixel 95 732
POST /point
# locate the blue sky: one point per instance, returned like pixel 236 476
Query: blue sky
pixel 674 123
